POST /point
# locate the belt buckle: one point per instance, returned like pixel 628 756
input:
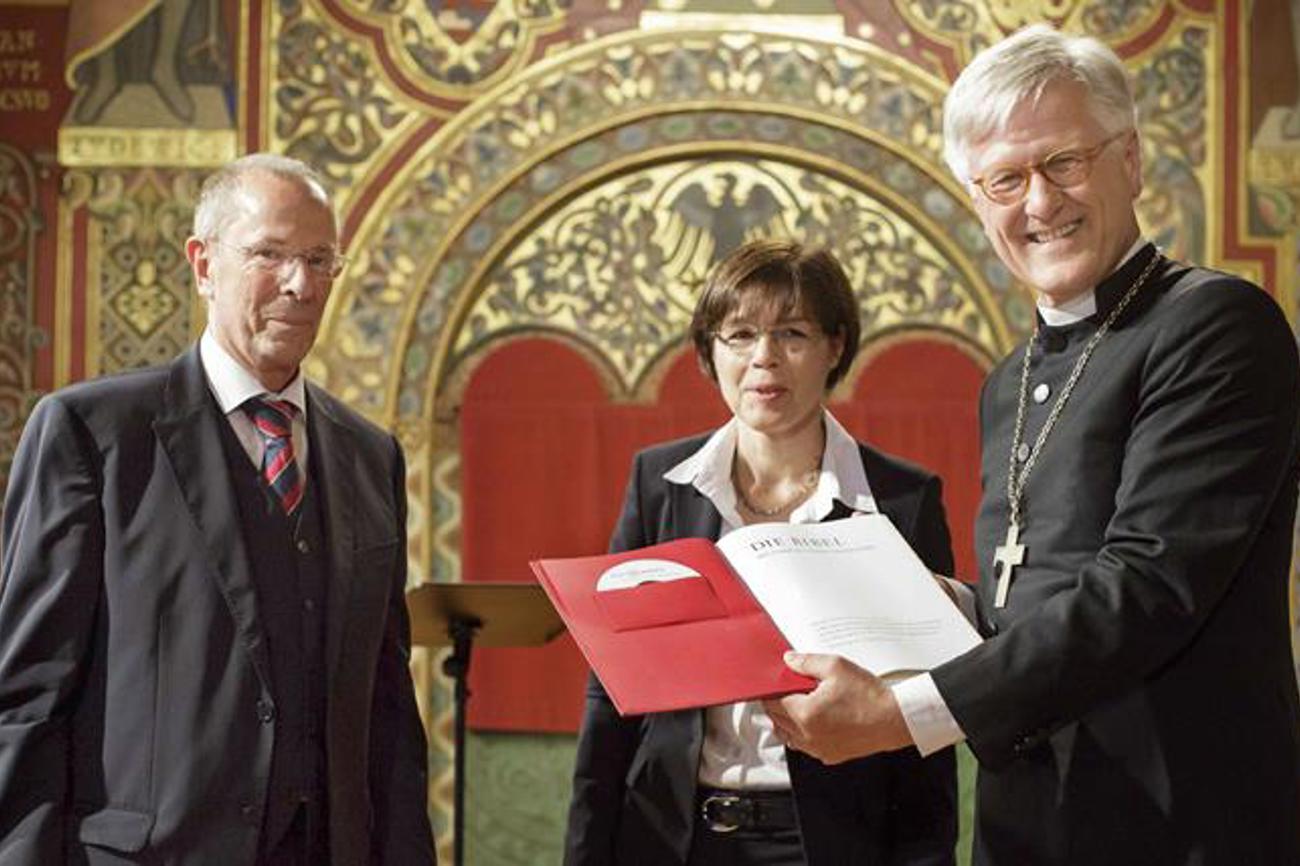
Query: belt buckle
pixel 721 801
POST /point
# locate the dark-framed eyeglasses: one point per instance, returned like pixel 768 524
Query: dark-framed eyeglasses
pixel 743 339
pixel 1009 184
pixel 322 262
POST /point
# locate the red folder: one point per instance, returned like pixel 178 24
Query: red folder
pixel 671 644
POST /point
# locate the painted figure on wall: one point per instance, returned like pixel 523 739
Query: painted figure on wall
pixel 139 62
pixel 1274 40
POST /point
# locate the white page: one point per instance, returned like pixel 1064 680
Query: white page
pixel 852 588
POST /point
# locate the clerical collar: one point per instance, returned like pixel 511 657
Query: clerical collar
pixel 1074 310
pixel 1086 305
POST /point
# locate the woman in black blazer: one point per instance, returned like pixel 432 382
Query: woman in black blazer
pixel 775 327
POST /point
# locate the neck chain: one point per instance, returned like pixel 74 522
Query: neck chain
pixel 1011 553
pixel 806 486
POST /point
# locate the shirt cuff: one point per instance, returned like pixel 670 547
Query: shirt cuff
pixel 927 716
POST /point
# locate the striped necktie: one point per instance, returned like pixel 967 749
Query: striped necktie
pixel 274 422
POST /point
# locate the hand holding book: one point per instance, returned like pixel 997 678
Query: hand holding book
pixel 690 624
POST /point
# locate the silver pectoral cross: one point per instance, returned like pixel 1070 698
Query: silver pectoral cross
pixel 1006 557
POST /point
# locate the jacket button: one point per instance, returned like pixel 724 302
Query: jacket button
pixel 265 711
pixel 248 813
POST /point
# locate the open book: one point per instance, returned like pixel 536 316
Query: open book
pixel 691 623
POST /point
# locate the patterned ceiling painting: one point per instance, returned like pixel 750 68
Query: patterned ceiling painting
pixel 619 266
pixel 564 119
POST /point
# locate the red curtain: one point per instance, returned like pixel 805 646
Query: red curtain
pixel 919 399
pixel 545 456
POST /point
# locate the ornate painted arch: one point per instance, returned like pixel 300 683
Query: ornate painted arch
pixel 616 263
pixel 690 134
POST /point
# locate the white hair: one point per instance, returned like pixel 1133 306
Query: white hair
pixel 1016 71
pixel 216 199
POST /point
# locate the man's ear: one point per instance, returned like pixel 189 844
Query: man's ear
pixel 196 252
pixel 1133 163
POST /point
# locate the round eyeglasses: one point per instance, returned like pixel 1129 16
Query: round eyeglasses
pixel 1009 184
pixel 323 262
pixel 743 339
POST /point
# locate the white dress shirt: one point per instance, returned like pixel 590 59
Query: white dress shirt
pixel 233 385
pixel 740 748
pixel 928 718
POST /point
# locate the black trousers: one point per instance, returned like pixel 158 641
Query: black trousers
pixel 745 848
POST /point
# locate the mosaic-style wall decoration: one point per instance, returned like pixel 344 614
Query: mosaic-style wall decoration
pixel 332 105
pixel 618 267
pixel 458 47
pixel 20 222
pixel 139 293
pixel 564 123
pixel 970 25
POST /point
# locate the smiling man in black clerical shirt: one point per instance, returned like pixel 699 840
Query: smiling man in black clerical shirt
pixel 1134 701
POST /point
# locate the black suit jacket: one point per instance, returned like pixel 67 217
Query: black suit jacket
pixel 635 778
pixel 1136 702
pixel 134 681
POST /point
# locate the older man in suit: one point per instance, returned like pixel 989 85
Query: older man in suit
pixel 203 641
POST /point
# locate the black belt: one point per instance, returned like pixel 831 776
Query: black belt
pixel 723 811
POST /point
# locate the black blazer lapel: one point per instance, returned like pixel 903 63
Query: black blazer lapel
pixel 333 472
pixel 663 782
pixel 691 514
pixel 188 433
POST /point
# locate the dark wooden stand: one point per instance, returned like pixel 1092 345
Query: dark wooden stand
pixel 457 615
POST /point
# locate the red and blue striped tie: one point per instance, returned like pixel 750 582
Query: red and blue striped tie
pixel 274 422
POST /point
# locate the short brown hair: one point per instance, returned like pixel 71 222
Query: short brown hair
pixel 785 276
